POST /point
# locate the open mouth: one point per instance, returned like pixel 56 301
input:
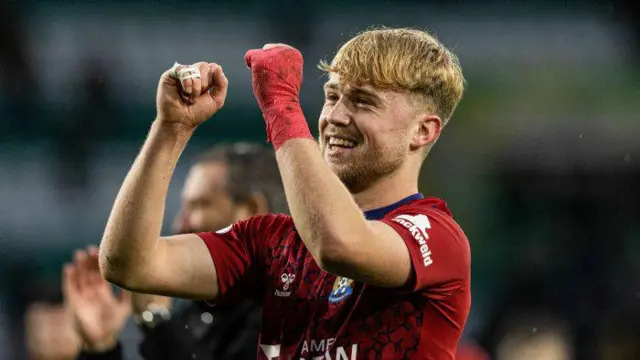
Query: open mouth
pixel 339 142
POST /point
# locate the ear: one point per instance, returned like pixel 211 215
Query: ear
pixel 427 131
pixel 255 204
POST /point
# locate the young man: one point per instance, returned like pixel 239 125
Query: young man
pixel 365 267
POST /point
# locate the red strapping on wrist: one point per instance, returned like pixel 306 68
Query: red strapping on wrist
pixel 277 77
pixel 286 121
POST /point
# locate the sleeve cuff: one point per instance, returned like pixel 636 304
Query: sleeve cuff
pixel 113 354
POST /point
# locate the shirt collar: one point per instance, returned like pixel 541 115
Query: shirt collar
pixel 379 213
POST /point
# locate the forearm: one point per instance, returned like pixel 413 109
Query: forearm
pixel 323 210
pixel 131 236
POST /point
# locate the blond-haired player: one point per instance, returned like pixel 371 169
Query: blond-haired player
pixel 365 266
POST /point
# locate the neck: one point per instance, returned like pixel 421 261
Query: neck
pixel 387 190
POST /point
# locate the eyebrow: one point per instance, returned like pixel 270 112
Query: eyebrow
pixel 331 85
pixel 355 90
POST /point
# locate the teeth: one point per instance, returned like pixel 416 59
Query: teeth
pixel 341 142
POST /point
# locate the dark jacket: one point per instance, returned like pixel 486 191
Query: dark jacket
pixel 231 333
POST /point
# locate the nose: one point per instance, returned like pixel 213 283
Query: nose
pixel 339 114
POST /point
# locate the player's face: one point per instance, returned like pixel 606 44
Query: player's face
pixel 363 132
pixel 206 204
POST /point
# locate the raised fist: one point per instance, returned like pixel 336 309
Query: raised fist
pixel 188 95
pixel 276 74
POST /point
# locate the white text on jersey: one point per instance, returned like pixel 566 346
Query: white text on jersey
pixel 324 348
pixel 418 225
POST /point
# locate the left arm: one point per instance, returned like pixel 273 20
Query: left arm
pixel 331 224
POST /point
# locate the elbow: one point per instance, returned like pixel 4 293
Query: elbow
pixel 117 272
pixel 334 257
pixel 110 271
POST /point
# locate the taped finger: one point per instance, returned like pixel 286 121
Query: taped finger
pixel 184 72
pixel 187 76
pixel 173 71
pixel 188 72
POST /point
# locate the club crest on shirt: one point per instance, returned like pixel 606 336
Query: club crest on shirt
pixel 342 288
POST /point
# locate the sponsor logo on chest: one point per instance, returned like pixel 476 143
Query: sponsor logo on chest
pixel 315 349
pixel 284 286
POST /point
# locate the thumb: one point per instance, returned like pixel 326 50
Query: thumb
pixel 249 56
pixel 169 84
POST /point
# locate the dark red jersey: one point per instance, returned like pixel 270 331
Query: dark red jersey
pixel 311 314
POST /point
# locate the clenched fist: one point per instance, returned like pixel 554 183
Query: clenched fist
pixel 191 101
pixel 276 73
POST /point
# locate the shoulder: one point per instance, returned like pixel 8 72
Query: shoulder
pixel 424 212
pixel 429 216
pixel 257 227
pixel 271 224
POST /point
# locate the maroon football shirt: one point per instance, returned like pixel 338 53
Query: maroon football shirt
pixel 311 314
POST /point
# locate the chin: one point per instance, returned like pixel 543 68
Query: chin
pixel 336 168
pixel 338 165
pixel 348 176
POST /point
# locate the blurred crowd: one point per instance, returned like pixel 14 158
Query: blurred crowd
pixel 554 228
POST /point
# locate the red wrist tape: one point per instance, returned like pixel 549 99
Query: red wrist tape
pixel 285 121
pixel 277 77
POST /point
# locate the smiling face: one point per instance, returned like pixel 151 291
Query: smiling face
pixel 365 132
pixel 390 92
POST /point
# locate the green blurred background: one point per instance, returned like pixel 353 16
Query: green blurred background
pixel 539 163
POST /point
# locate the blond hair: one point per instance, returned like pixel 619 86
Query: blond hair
pixel 402 59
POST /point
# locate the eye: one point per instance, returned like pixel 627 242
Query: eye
pixel 363 101
pixel 332 97
pixel 199 203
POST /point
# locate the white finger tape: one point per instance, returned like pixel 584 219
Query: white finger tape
pixel 188 72
pixel 172 71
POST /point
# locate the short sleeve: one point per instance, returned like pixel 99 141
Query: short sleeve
pixel 236 251
pixel 439 250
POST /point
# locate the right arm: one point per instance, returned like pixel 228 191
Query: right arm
pixel 132 253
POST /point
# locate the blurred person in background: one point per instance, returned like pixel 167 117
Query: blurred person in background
pixel 50 335
pixel 227 184
pixel 535 336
